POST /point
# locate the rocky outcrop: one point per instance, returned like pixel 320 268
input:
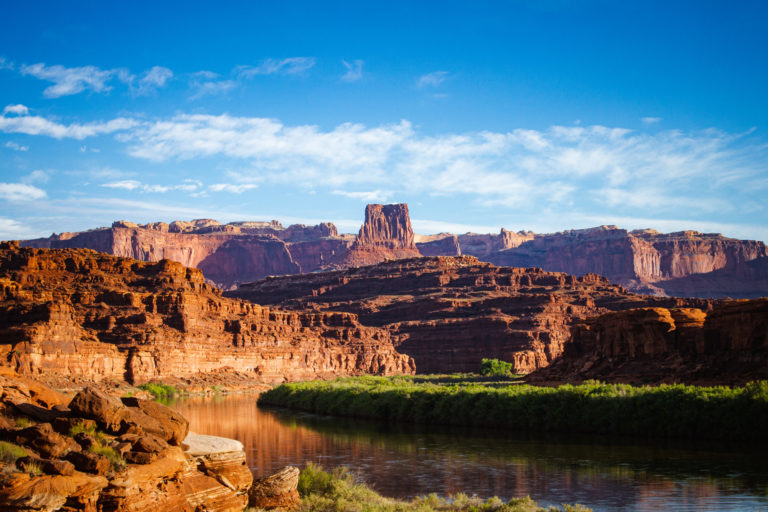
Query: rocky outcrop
pixel 386 234
pixel 78 313
pixel 643 261
pixel 728 345
pixel 102 454
pixel 278 491
pixel 450 312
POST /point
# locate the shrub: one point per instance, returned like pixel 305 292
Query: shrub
pixel 116 461
pixel 9 452
pixel 160 390
pixel 496 368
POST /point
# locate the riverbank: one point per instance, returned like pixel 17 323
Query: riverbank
pixel 667 411
pixel 341 491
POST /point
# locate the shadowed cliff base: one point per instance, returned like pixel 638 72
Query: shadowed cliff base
pixel 448 313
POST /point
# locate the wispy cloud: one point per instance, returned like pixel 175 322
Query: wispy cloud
pixel 207 83
pixel 232 187
pixel 151 80
pixel 370 196
pixel 20 192
pixel 433 79
pixel 187 186
pixel 20 110
pixel 650 120
pixel 37 125
pixel 354 71
pixel 5 63
pixel 289 66
pixel 16 147
pixel 67 81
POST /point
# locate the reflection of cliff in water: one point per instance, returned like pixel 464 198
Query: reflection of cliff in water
pixel 409 460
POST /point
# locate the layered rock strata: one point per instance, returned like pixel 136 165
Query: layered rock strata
pixel 644 261
pixel 97 453
pixel 728 344
pixel 450 312
pixel 78 313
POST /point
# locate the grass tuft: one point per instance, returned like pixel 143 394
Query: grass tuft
pixel 10 452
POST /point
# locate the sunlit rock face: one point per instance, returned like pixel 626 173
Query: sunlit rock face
pixel 727 345
pixel 644 261
pixel 78 313
pixel 450 312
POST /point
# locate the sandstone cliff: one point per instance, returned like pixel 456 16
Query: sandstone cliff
pixel 728 345
pixel 644 261
pixel 450 312
pixel 78 313
pixel 385 234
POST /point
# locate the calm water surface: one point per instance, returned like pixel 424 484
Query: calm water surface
pixel 409 460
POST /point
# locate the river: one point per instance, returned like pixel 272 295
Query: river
pixel 411 460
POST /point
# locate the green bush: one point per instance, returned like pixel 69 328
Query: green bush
pixel 9 452
pixel 674 410
pixel 341 491
pixel 496 368
pixel 160 390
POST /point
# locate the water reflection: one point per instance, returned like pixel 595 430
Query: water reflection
pixel 409 460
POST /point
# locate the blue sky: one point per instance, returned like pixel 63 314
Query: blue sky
pixel 537 115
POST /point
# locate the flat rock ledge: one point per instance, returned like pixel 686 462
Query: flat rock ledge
pixel 201 445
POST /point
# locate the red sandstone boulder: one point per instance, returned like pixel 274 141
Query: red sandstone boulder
pixel 95 404
pixel 158 419
pixel 278 491
pixel 45 441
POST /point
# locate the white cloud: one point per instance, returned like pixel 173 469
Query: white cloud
pixel 5 64
pixel 21 110
pixel 229 187
pixel 153 79
pixel 20 192
pixel 433 79
pixel 123 184
pixel 371 196
pixel 354 71
pixel 12 229
pixel 650 120
pixel 37 125
pixel 187 186
pixel 16 147
pixel 67 81
pixel 289 66
pixel 37 176
pixel 205 84
pixel 608 167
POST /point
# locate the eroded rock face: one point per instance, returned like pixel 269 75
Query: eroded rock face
pixel 450 312
pixel 727 345
pixel 77 313
pixel 278 491
pixel 386 234
pixel 97 468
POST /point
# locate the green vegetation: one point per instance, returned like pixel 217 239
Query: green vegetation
pixel 676 410
pixel 495 368
pixel 116 461
pixel 101 444
pixel 341 491
pixel 23 422
pixel 160 390
pixel 9 452
pixel 33 469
